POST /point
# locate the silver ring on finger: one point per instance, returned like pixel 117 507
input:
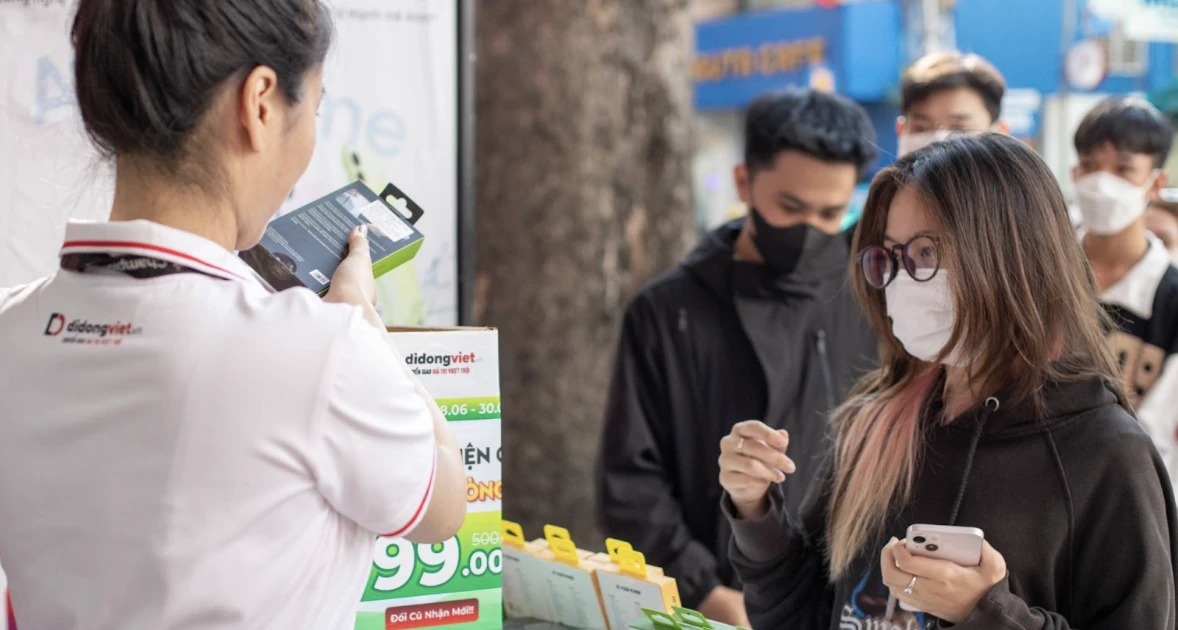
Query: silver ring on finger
pixel 740 447
pixel 911 583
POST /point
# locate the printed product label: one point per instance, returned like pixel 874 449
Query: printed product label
pixel 625 597
pixel 574 598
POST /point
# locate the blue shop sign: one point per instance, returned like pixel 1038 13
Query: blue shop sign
pixel 853 49
pixel 1021 109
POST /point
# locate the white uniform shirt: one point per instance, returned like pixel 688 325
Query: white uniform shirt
pixel 193 452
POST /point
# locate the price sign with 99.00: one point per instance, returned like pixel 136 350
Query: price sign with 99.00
pixel 471 561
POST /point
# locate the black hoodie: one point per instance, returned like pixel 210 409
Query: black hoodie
pixel 712 343
pixel 1079 505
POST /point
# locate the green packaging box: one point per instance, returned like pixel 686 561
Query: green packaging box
pixel 304 247
pixel 681 619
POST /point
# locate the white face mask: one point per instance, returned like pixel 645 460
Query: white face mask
pixel 910 142
pixel 1109 204
pixel 922 315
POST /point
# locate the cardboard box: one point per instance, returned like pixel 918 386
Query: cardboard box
pixel 457 584
pixel 303 248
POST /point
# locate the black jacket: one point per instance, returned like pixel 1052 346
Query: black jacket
pixel 1079 504
pixel 709 344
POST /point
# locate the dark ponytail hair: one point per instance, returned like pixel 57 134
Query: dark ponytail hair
pixel 147 71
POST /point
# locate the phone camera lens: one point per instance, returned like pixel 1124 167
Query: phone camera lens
pixel 932 547
pixel 919 540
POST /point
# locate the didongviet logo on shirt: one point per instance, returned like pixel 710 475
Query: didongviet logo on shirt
pixel 81 331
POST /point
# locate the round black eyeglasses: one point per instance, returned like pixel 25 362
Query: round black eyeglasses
pixel 880 264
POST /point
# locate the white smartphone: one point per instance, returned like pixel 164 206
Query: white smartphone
pixel 959 545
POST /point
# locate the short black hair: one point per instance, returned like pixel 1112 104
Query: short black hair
pixel 951 70
pixel 148 71
pixel 825 126
pixel 1129 124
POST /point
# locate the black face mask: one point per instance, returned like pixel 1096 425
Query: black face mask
pixel 785 249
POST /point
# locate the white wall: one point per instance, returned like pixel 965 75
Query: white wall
pixel 719 148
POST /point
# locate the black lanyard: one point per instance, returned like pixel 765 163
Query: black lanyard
pixel 135 266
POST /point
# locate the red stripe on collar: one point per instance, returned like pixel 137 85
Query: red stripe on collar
pixel 148 247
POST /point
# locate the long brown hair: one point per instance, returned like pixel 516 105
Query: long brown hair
pixel 1025 308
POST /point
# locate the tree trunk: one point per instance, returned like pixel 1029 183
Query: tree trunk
pixel 583 193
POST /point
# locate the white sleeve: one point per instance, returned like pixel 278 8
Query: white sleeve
pixel 377 458
pixel 1158 414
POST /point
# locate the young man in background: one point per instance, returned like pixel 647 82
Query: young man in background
pixel 945 93
pixel 1123 144
pixel 757 323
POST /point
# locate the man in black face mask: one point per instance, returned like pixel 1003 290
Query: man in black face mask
pixel 757 323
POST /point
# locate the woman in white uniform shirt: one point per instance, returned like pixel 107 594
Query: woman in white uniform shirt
pixel 178 447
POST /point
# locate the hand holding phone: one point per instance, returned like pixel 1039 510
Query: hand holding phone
pixel 941 571
pixel 959 545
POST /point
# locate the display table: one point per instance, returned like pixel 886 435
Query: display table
pixel 528 624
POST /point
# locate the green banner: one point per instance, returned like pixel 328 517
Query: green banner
pixel 460 409
pixel 471 561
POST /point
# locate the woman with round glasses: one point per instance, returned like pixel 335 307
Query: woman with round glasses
pixel 997 406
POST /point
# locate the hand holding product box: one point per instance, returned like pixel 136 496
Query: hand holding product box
pixel 304 247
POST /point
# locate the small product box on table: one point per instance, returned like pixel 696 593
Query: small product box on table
pixel 628 586
pixel 525 584
pixel 568 574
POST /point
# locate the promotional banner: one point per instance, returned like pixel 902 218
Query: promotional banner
pixel 389 114
pixel 459 583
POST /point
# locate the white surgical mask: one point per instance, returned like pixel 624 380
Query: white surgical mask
pixel 1109 204
pixel 910 142
pixel 922 315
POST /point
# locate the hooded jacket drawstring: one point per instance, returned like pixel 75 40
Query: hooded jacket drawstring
pixel 991 407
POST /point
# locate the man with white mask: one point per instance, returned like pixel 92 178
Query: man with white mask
pixel 1123 144
pixel 945 93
